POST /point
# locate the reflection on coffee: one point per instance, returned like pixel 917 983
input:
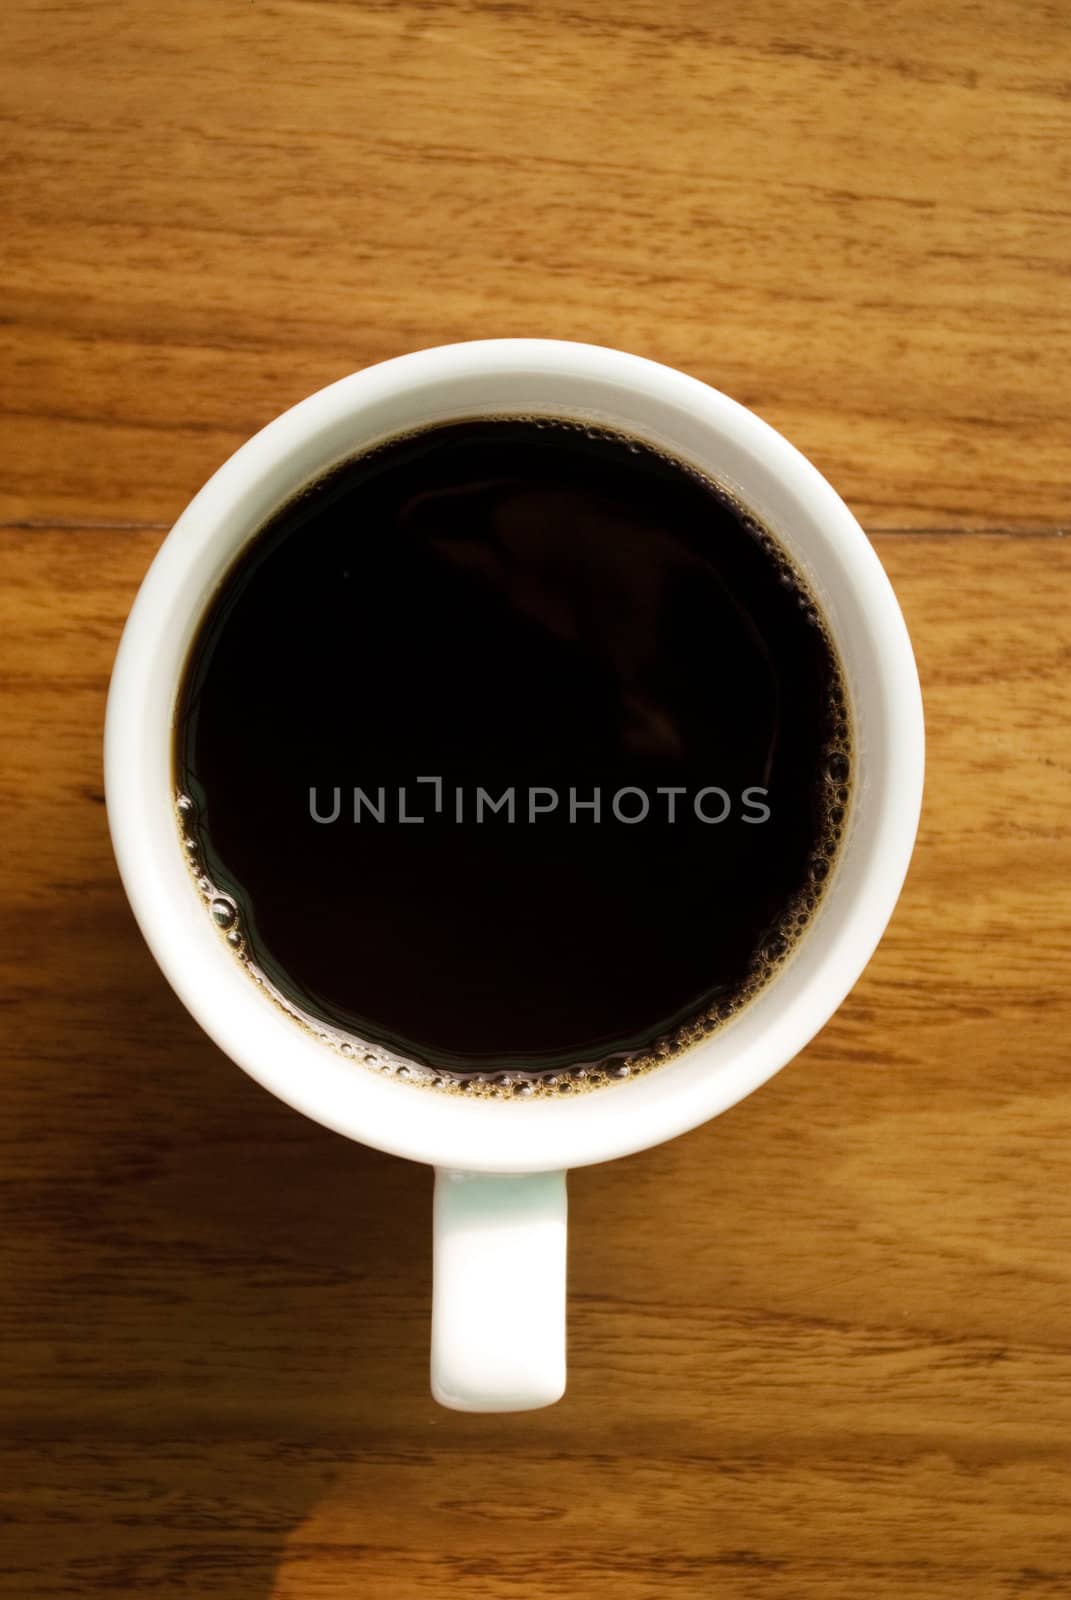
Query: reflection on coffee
pixel 512 756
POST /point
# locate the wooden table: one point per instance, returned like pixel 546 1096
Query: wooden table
pixel 819 1348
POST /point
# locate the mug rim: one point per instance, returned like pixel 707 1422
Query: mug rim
pixel 424 1124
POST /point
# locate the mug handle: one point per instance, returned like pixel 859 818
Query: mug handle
pixel 498 1297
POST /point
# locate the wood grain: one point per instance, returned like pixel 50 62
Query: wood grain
pixel 857 226
pixel 819 1349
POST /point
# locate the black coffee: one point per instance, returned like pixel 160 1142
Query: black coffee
pixel 512 753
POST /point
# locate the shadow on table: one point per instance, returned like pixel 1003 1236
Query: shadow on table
pixel 224 1301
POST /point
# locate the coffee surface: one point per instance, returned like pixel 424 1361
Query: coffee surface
pixel 512 747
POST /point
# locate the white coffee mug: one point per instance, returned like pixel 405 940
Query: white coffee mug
pixel 498 1318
